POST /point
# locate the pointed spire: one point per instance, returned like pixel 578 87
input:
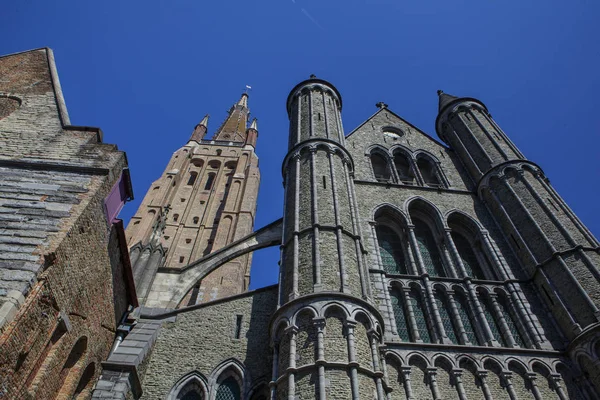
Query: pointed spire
pixel 200 130
pixel 234 127
pixel 254 125
pixel 444 99
pixel 205 121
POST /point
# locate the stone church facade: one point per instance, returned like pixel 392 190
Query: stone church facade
pixel 410 268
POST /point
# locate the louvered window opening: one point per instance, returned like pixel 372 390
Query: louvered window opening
pixel 429 251
pixel 228 390
pixel 419 313
pixel 491 320
pixel 468 257
pixel 380 168
pixel 512 327
pixel 390 249
pixel 444 311
pixel 400 315
pixel 465 317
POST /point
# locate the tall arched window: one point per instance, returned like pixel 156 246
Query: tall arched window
pixel 512 326
pixel 465 315
pixel 400 314
pixel 445 315
pixel 491 319
pixel 467 255
pixel 381 169
pixel 209 181
pixel 429 250
pixel 418 308
pixel 228 390
pixel 390 249
pixel 402 164
pixel 428 172
pixel 192 178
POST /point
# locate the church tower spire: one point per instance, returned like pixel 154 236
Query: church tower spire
pixel 210 194
pixel 233 128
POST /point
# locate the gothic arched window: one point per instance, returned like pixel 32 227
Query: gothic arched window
pixel 512 325
pixel 429 250
pixel 465 315
pixel 390 249
pixel 418 308
pixel 228 390
pixel 403 168
pixel 400 314
pixel 381 168
pixel 467 255
pixel 445 315
pixel 428 172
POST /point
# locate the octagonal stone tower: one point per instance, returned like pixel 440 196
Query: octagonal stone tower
pixel 326 331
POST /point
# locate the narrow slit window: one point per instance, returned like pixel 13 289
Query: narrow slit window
pixel 181 259
pixel 238 326
pixel 324 182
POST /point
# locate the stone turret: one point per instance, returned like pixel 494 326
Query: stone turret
pixel 557 252
pixel 325 332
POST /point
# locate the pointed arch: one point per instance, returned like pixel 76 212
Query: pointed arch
pixel 428 225
pixel 404 166
pixel 430 171
pixel 230 380
pixel 192 386
pixel 466 235
pixel 380 163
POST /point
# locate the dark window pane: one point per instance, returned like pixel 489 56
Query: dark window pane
pixel 390 249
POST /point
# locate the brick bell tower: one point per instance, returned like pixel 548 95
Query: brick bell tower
pixel 325 333
pixel 204 200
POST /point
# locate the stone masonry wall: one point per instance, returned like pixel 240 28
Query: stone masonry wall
pixel 202 339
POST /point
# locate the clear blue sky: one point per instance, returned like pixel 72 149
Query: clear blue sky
pixel 146 72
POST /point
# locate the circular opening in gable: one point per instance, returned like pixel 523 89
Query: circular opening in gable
pixel 8 105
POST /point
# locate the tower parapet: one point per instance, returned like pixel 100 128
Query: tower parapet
pixel 325 332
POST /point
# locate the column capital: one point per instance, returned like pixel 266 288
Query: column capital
pixel 373 334
pixel 350 323
pixel 319 323
pixel 292 329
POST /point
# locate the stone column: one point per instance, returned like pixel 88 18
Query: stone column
pixel 532 377
pixel 505 330
pixel 274 371
pixel 352 363
pixel 507 378
pixel 456 317
pixel 292 331
pixel 320 325
pixel 457 376
pixel 406 378
pixel 432 377
pixel 482 375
